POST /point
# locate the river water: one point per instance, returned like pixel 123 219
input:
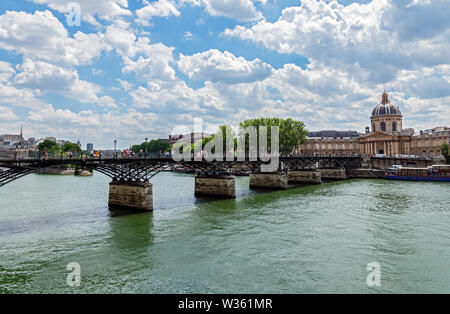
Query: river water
pixel 311 239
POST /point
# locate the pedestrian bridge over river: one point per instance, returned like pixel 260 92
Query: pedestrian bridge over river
pixel 131 188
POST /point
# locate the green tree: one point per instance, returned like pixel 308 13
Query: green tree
pixel 445 152
pixel 48 144
pixel 291 132
pixel 71 147
pixel 153 146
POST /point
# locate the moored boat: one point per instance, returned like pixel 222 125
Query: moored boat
pixel 439 173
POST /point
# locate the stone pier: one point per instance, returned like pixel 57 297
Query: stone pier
pixel 223 186
pixel 333 174
pixel 131 195
pixel 275 181
pixel 304 176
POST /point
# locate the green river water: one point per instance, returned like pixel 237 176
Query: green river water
pixel 310 239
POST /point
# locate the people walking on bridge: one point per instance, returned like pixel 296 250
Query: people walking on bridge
pixel 44 153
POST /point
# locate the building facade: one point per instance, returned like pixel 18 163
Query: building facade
pixel 386 136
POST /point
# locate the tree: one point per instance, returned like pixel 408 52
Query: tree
pixel 445 152
pixel 153 146
pixel 71 147
pixel 291 132
pixel 48 144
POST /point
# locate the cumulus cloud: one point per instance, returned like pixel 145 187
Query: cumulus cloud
pixel 23 97
pixel 6 71
pixel 41 36
pixel 105 9
pixel 147 61
pixel 97 127
pixel 216 66
pixel 46 77
pixel 125 84
pixel 358 38
pixel 169 97
pixel 7 115
pixel 161 8
pixel 156 64
pixel 240 10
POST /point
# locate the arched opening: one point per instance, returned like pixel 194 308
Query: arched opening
pixel 383 126
pixel 394 127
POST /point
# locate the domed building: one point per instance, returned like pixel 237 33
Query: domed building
pixel 386 117
pixel 386 136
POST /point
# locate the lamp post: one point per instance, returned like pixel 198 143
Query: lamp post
pixel 146 139
pixel 115 150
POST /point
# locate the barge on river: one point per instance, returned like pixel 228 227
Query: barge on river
pixel 433 173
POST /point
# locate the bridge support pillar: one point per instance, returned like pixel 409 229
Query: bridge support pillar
pixel 131 195
pixel 304 176
pixel 333 174
pixel 275 181
pixel 224 186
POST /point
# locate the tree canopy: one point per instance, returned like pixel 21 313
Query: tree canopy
pixel 153 146
pixel 291 132
pixel 71 147
pixel 47 144
pixel 54 148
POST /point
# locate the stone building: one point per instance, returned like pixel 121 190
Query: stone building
pixel 385 137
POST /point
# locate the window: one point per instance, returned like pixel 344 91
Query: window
pixel 373 127
pixel 394 127
pixel 383 126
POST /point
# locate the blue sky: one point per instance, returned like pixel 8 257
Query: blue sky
pixel 136 69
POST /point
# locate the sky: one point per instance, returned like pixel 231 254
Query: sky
pixel 136 69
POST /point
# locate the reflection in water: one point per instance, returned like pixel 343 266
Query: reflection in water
pixel 315 238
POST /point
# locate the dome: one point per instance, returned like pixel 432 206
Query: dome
pixel 385 108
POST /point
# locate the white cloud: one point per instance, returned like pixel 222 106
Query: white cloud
pixel 216 66
pixel 125 84
pixel 7 115
pixel 155 66
pixel 12 96
pixel 160 8
pixel 95 127
pixel 188 36
pixel 357 38
pixel 45 77
pixel 170 97
pixel 41 36
pixel 105 9
pixel 6 71
pixel 240 10
pixel 153 61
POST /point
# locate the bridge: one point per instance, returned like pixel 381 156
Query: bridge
pixel 131 188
